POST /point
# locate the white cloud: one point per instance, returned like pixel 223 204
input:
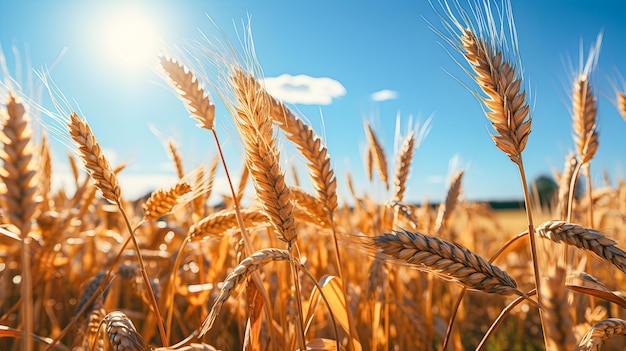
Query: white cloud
pixel 384 95
pixel 303 89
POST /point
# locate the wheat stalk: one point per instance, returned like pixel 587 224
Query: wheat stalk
pixel 446 260
pixel 584 238
pixel 250 264
pixel 601 332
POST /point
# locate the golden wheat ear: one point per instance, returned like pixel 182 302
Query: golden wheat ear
pixel 621 103
pixel 93 158
pixel 600 332
pixel 446 260
pixel 190 90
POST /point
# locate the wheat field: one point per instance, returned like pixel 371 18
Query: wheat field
pixel 299 269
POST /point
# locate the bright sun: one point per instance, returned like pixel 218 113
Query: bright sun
pixel 130 39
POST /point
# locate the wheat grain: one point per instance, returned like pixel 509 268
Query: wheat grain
pixel 601 332
pixel 446 260
pixel 584 238
pixel 250 264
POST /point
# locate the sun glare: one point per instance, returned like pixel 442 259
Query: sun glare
pixel 130 39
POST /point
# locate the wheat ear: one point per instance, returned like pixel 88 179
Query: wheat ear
pixel 262 154
pixel 584 238
pixel 176 158
pixel 311 147
pixel 377 154
pixel 447 207
pixel 446 260
pixel 621 104
pixel 219 222
pixel 162 201
pixel 601 332
pixel 121 333
pixel 240 273
pixel 403 166
pixel 497 70
pixel 94 160
pixel 558 319
pixel 105 180
pixel 191 91
pixel 20 201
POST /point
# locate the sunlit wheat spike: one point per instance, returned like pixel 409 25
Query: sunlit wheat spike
pixel 585 108
pixel 504 100
pixel 403 166
pixel 239 274
pixel 162 201
pixel 253 111
pixel 584 118
pixel 446 260
pixel 600 332
pixel 621 104
pixel 584 238
pixel 378 155
pixel 19 171
pixel 176 157
pixel 220 222
pixel 313 149
pixel 191 91
pixel 45 177
pixel 311 205
pixel 121 333
pixel 447 207
pixel 93 159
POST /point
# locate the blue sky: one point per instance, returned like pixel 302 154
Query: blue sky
pixel 361 48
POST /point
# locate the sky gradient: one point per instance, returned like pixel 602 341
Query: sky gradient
pixel 346 62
